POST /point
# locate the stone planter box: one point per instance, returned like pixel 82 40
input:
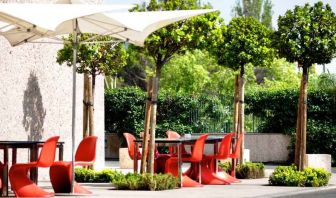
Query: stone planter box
pixel 125 162
pixel 319 161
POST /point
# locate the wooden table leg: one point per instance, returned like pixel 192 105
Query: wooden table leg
pixel 135 158
pixel 5 173
pixel 179 158
pixel 60 152
pixel 33 158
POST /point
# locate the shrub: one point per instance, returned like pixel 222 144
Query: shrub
pixel 133 181
pixel 248 170
pixel 290 176
pixel 85 175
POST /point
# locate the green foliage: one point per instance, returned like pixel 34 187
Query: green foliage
pixel 85 175
pixel 197 32
pixel 124 112
pixel 246 41
pixel 95 58
pixel 277 109
pixel 307 34
pixel 196 73
pixel 132 181
pixel 248 170
pixel 290 176
pixel 258 9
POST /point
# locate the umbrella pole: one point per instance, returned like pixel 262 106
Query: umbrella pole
pixel 75 45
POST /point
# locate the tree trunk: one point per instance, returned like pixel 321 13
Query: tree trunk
pixel 90 105
pixel 298 129
pixel 303 162
pixel 85 106
pixel 301 126
pixel 241 112
pixel 235 115
pixel 146 127
pixel 150 167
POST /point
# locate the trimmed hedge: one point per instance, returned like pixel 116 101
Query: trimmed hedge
pixel 85 175
pixel 276 111
pixel 248 170
pixel 290 176
pixel 125 112
pixel 132 181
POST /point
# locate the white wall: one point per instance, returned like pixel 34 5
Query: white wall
pixel 36 97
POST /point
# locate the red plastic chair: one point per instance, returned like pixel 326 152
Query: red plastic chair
pixel 21 184
pixel 175 135
pixel 130 146
pixel 195 158
pixel 61 172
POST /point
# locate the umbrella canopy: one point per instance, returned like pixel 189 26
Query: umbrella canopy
pixel 21 23
pixel 27 22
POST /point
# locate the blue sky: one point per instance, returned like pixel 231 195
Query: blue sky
pixel 279 8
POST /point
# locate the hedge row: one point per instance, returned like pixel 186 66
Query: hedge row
pixel 125 107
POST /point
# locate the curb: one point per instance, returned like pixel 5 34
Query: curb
pixel 305 190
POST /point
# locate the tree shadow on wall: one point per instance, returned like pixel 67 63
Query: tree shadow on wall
pixel 33 110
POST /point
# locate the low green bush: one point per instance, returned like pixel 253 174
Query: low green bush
pixel 290 176
pixel 248 170
pixel 132 181
pixel 85 175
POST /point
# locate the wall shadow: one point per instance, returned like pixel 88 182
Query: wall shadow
pixel 33 110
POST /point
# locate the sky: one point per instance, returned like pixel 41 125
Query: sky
pixel 279 8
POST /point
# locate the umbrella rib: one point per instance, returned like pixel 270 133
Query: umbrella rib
pixel 94 21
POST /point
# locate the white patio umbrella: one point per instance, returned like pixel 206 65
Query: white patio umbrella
pixel 21 23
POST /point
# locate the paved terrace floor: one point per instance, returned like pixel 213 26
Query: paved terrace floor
pixel 247 188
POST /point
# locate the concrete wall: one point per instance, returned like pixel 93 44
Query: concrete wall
pixel 36 98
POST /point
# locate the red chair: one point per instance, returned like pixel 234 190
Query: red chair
pixel 61 172
pixel 175 135
pixel 21 184
pixel 195 158
pixel 160 159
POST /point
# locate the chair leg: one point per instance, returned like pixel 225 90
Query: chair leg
pixel 199 172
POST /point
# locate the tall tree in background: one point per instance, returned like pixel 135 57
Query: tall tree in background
pixel 247 41
pixel 258 9
pixel 306 35
pixel 198 32
pixel 103 57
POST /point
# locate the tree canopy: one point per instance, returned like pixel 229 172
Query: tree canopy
pixel 94 58
pixel 197 32
pixel 307 34
pixel 246 41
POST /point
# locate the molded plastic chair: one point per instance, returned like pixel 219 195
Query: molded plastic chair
pixel 196 158
pixel 61 172
pixel 130 146
pixel 175 135
pixel 21 184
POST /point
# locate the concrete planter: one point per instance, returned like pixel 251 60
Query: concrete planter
pixel 319 161
pixel 125 162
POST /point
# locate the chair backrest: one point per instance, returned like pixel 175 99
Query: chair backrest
pixel 197 152
pixel 236 151
pixel 174 135
pixel 86 150
pixel 130 144
pixel 225 146
pixel 48 152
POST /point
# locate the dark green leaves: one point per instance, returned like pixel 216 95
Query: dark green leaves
pixel 246 41
pixel 307 34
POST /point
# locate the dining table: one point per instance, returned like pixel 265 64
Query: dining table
pixel 33 147
pixel 178 143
